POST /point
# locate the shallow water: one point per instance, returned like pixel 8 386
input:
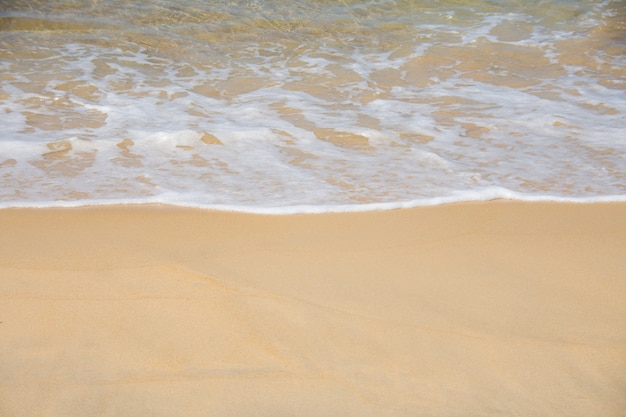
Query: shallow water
pixel 283 106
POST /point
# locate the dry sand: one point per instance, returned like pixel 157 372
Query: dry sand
pixel 487 309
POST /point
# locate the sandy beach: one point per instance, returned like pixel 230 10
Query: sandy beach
pixel 482 309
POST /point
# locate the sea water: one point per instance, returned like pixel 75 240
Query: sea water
pixel 283 106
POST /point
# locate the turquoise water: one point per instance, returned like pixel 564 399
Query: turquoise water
pixel 285 106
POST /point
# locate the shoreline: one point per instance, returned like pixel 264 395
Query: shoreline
pixel 496 195
pixel 485 308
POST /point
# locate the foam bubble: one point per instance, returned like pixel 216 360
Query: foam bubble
pixel 299 110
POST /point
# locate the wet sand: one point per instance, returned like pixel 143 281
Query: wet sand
pixel 485 309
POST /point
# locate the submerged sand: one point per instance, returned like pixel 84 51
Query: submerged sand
pixel 486 309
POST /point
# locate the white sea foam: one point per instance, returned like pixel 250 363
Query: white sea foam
pixel 179 200
pixel 269 114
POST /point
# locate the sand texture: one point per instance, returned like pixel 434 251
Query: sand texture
pixel 486 309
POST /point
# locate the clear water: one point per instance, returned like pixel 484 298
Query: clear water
pixel 309 106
